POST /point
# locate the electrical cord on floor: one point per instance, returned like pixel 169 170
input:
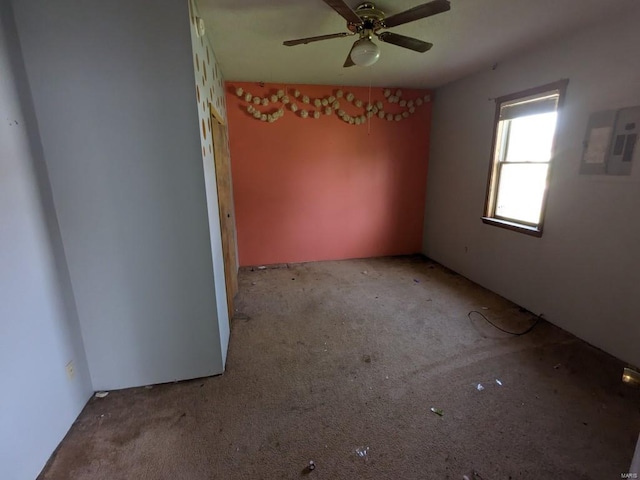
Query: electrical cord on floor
pixel 515 334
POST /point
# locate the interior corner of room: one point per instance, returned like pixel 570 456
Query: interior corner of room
pixel 243 241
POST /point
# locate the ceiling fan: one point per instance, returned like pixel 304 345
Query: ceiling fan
pixel 367 20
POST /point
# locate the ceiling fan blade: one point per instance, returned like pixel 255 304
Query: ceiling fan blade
pixel 302 41
pixel 416 13
pixel 349 62
pixel 345 10
pixel 406 42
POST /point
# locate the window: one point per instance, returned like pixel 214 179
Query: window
pixel 524 134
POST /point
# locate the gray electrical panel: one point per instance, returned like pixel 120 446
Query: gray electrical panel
pixel 610 142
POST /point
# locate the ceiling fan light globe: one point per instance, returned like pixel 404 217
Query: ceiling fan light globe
pixel 365 53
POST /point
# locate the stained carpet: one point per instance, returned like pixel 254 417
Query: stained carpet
pixel 341 362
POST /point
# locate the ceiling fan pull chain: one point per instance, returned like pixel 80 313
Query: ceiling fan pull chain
pixel 369 103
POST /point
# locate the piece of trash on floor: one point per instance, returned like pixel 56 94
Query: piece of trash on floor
pixel 364 273
pixel 362 452
pixel 437 411
pixel 485 308
pixel 557 366
pixel 366 358
pixel 480 387
pixel 148 387
pixel 416 280
pixel 253 283
pixel 309 468
pixel 101 394
pixel 262 267
pixel 498 382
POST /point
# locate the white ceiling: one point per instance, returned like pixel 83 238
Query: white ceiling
pixel 247 37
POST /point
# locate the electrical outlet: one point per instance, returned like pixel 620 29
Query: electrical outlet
pixel 71 372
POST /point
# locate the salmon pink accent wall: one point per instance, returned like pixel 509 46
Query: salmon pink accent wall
pixel 310 189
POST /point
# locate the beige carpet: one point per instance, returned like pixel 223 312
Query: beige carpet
pixel 326 358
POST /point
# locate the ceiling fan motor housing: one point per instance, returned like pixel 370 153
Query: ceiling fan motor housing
pixel 372 18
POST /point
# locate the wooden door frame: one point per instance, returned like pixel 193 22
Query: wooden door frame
pixel 219 139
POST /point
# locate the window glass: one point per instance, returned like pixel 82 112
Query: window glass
pixel 531 138
pixel 521 191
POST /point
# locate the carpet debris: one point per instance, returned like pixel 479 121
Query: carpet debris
pixel 101 394
pixel 437 411
pixel 498 382
pixel 309 468
pixel 362 452
pixel 480 387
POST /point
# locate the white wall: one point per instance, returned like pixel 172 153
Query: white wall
pixel 584 273
pixel 113 89
pixel 39 332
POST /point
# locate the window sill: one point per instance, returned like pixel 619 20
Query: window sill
pixel 516 227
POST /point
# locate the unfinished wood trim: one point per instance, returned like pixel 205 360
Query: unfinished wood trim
pixel 490 195
pixel 489 207
pixel 560 85
pixel 226 210
pixel 516 227
pixel 215 114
